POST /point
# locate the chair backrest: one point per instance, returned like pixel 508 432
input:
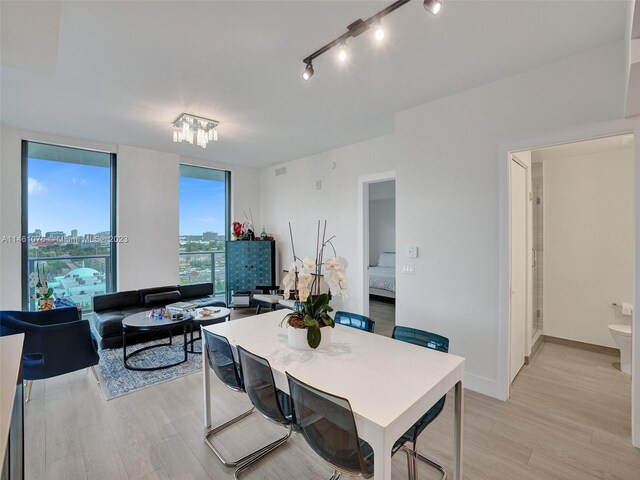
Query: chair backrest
pixel 257 378
pixel 356 321
pixel 422 338
pixel 327 424
pixel 221 360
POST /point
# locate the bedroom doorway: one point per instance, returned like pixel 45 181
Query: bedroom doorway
pixel 380 254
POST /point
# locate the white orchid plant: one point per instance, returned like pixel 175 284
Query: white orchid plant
pixel 38 280
pixel 304 277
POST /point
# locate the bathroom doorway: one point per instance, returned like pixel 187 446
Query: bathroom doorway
pixel 580 241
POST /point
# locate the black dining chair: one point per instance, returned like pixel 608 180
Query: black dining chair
pixel 221 361
pixel 272 403
pixel 327 424
pixel 435 342
pixel 354 320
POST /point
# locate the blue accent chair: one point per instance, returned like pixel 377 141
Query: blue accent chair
pixel 55 342
pixel 435 342
pixel 356 321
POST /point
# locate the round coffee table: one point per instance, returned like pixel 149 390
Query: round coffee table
pixel 141 322
pixel 219 314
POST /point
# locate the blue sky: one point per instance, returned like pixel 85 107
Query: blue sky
pixel 64 196
pixel 201 206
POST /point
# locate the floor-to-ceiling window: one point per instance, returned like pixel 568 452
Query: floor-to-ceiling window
pixel 204 223
pixel 68 222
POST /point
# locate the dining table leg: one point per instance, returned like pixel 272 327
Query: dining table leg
pixel 206 391
pixel 381 459
pixel 458 429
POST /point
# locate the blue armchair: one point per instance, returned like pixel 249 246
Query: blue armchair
pixel 56 342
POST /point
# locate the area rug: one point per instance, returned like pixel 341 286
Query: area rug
pixel 116 380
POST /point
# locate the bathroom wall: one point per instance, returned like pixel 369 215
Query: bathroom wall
pixel 588 244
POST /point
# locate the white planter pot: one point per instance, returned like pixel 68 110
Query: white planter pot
pixel 298 338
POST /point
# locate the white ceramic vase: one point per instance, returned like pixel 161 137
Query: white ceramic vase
pixel 298 338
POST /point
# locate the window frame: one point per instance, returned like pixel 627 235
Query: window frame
pixel 227 211
pixel 24 220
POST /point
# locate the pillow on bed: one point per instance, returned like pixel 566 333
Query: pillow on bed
pixel 387 259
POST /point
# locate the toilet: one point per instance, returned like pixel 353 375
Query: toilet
pixel 622 336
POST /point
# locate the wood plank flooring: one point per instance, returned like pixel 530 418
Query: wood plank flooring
pixel 568 419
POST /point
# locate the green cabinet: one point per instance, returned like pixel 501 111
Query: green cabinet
pixel 250 263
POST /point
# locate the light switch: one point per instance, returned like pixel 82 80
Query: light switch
pixel 318 184
pixel 408 268
pixel 412 251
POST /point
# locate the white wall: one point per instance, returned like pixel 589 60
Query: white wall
pixel 147 210
pixel 382 221
pixel 588 244
pixel 293 198
pixel 445 154
pixel 148 216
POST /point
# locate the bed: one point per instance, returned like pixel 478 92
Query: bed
pixel 382 277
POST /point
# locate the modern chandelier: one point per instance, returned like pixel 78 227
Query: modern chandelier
pixel 360 26
pixel 191 127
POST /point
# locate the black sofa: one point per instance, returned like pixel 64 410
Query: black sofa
pixel 109 310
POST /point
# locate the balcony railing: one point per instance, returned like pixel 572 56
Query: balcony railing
pixel 76 278
pixel 196 267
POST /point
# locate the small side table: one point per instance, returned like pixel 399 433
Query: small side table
pixel 220 314
pixel 141 322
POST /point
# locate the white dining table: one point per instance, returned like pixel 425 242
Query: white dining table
pixel 390 384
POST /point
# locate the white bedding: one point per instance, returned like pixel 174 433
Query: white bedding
pixel 383 278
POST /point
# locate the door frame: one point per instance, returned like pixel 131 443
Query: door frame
pixel 363 232
pixel 527 283
pixel 562 136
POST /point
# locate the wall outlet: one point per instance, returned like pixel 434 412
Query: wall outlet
pixel 412 251
pixel 408 268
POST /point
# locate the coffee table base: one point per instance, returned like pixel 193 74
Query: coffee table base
pixel 149 347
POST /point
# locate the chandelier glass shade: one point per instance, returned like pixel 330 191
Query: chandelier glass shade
pixel 190 128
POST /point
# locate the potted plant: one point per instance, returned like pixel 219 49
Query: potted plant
pixel 309 325
pixel 43 294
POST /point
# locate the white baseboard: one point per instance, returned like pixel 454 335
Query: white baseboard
pixel 483 385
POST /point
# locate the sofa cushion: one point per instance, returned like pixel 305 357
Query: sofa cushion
pixel 162 298
pixel 109 323
pixel 142 294
pixel 111 301
pixel 196 290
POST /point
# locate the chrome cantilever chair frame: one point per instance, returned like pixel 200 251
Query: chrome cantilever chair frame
pixel 435 342
pixel 233 382
pixel 261 389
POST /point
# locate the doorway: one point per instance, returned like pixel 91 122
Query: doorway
pixel 378 240
pixel 577 268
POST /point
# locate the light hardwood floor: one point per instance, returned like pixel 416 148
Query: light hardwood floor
pixel 384 314
pixel 568 418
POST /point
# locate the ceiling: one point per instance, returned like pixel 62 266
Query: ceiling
pixel 585 147
pixel 121 72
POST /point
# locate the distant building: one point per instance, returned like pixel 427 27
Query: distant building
pixel 74 233
pixel 37 232
pixel 56 236
pixel 210 236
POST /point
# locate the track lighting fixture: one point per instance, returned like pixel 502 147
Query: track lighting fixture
pixel 433 6
pixel 360 26
pixel 308 72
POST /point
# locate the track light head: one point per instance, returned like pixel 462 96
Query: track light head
pixel 433 6
pixel 342 52
pixel 378 31
pixel 308 72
